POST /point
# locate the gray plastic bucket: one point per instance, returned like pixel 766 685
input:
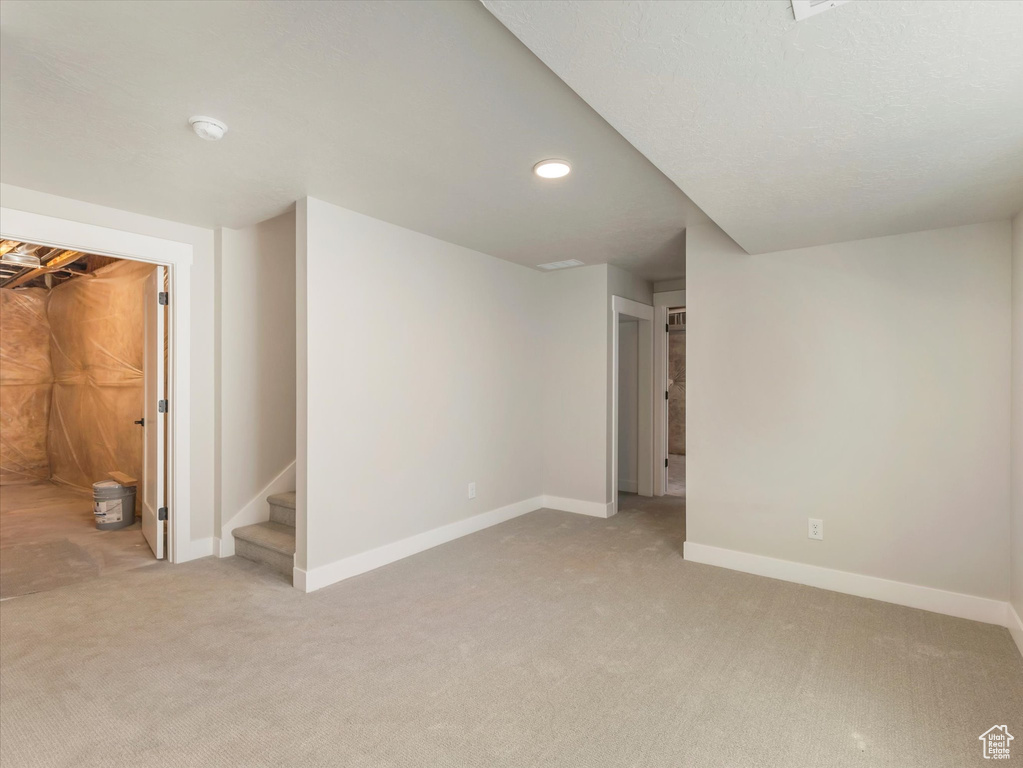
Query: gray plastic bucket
pixel 114 505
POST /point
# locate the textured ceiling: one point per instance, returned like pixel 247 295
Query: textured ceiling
pixel 873 118
pixel 428 115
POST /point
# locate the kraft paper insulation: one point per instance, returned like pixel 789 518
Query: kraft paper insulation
pixel 26 382
pixel 95 348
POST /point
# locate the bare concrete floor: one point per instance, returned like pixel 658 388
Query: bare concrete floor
pixel 48 539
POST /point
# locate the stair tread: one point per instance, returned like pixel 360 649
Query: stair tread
pixel 275 536
pixel 282 499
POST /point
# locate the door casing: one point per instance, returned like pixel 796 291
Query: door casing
pixel 177 258
pixel 644 314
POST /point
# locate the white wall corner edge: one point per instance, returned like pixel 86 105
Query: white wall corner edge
pixel 316 578
pixel 200 548
pixel 956 604
pixel 579 507
pixel 256 510
pixel 1015 625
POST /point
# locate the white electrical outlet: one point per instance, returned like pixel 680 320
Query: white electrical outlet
pixel 472 490
pixel 816 529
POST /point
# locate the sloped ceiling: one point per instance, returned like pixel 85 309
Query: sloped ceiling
pixel 429 115
pixel 870 119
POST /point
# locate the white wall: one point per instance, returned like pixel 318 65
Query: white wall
pixel 628 405
pixel 666 286
pixel 202 337
pixel 422 374
pixel 575 365
pixel 579 384
pixel 256 374
pixel 864 383
pixel 627 285
pixel 1017 421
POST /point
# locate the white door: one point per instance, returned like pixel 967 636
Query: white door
pixel 153 499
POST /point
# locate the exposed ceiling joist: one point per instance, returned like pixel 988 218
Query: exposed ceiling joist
pixel 60 260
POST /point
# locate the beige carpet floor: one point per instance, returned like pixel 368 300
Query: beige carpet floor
pixel 48 539
pixel 551 640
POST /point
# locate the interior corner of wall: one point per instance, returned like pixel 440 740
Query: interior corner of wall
pixel 256 509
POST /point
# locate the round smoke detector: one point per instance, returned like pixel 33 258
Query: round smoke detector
pixel 208 128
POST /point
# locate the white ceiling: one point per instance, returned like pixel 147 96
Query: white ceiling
pixel 870 119
pixel 428 115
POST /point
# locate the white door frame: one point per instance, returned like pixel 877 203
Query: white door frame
pixel 644 313
pixel 662 302
pixel 177 257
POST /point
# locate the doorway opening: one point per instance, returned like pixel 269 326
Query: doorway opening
pixel 670 422
pixel 632 412
pixel 676 402
pixel 83 415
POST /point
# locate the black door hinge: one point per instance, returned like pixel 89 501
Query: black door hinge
pixel 161 406
pixel 665 394
pixel 161 513
pixel 163 298
pixel 666 328
pixel 665 462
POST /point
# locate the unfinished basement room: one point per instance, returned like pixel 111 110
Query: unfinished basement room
pixel 511 383
pixel 73 343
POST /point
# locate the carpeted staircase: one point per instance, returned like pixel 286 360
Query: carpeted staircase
pixel 273 542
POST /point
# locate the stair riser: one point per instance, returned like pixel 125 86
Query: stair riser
pixel 279 561
pixel 282 515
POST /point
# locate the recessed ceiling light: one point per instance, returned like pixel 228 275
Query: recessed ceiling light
pixel 208 128
pixel 552 169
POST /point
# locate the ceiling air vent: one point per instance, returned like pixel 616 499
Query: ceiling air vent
pixel 804 9
pixel 561 264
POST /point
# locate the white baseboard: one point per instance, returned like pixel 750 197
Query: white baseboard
pixel 579 507
pixel 256 510
pixel 911 595
pixel 628 486
pixel 225 545
pixel 1015 625
pixel 299 580
pixel 325 575
pixel 197 549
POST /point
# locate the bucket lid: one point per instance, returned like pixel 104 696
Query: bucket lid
pixel 111 484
